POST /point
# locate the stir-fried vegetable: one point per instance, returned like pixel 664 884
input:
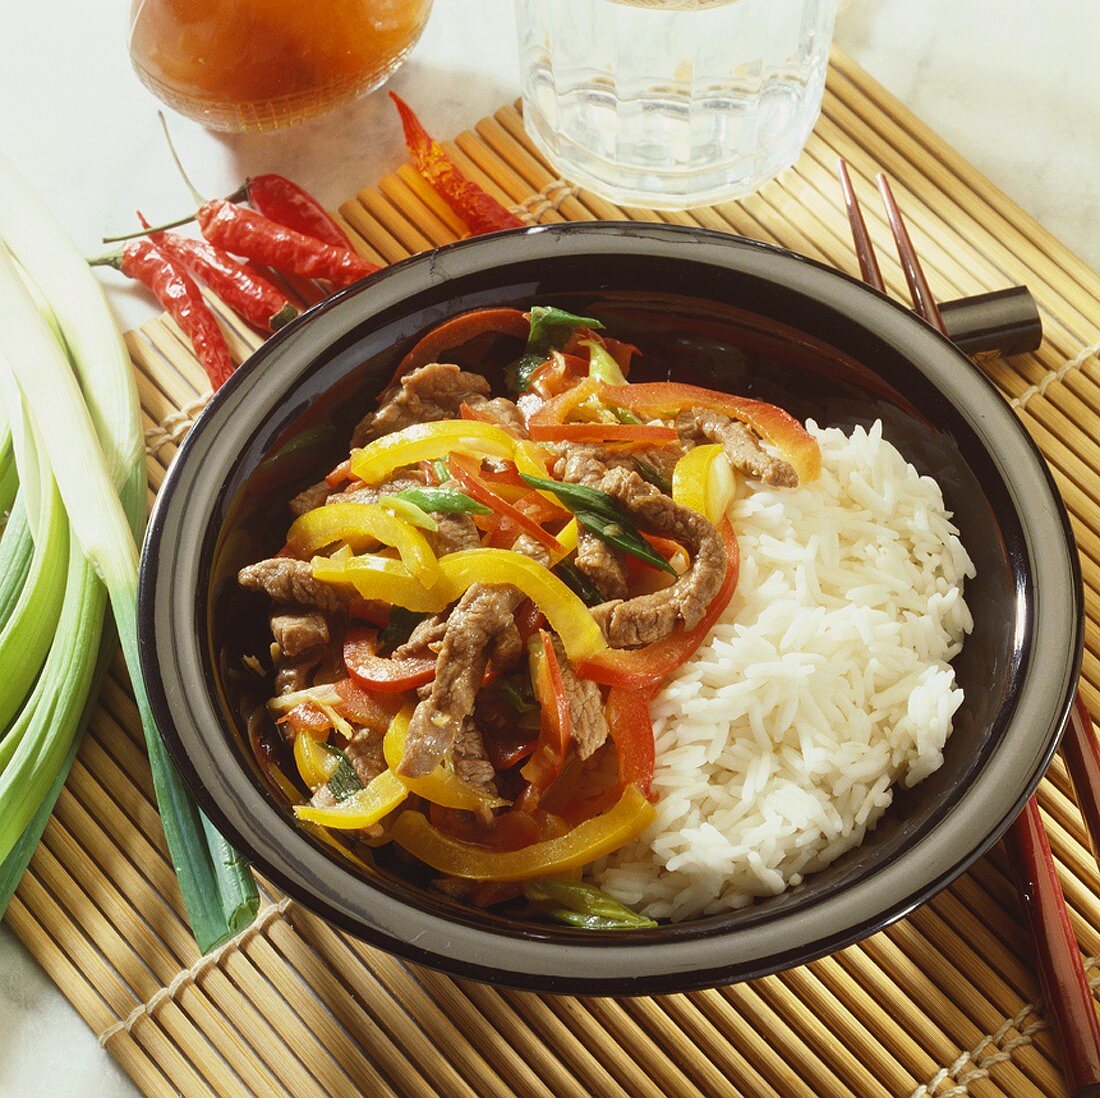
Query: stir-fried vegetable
pixel 426 442
pixel 379 673
pixel 576 848
pixel 604 516
pixel 550 328
pixel 582 905
pixel 380 578
pixel 364 808
pixel 362 525
pixel 556 725
pixel 703 481
pixel 444 501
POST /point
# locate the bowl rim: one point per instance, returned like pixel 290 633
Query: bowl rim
pixel 998 791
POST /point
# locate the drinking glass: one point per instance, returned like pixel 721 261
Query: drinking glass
pixel 672 103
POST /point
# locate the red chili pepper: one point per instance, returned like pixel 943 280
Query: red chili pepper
pixel 461 329
pixel 376 672
pixel 242 231
pixel 177 293
pixel 646 668
pixel 481 212
pixel 478 490
pixel 603 432
pixel 246 293
pixel 284 201
pixel 341 473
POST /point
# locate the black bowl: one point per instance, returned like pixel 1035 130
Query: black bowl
pixel 733 313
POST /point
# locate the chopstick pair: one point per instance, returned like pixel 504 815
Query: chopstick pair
pixel 1061 972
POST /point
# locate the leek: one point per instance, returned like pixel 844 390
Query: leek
pixel 92 445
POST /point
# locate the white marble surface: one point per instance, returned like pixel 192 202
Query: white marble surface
pixel 1012 85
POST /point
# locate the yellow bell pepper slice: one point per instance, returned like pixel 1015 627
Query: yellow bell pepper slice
pixel 426 442
pixel 361 809
pixel 567 539
pixel 361 525
pixel 378 578
pixel 703 481
pixel 315 763
pixel 601 365
pixel 583 844
pixel 375 577
pixel 413 515
pixel 442 786
pixel 530 458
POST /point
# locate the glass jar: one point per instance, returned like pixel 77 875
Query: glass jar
pixel 252 65
pixel 672 103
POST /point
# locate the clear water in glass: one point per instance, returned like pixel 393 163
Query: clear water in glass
pixel 672 103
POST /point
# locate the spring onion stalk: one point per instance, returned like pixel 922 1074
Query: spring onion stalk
pixel 26 635
pixel 9 479
pixel 93 446
pixel 16 552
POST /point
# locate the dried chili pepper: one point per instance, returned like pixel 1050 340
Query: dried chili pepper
pixel 284 201
pixel 246 293
pixel 244 232
pixel 181 298
pixel 481 212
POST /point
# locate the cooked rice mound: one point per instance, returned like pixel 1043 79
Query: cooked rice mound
pixel 826 681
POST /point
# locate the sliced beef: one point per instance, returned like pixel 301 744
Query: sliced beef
pixel 586 713
pixel 297 631
pixel 364 752
pixel 372 493
pixel 602 565
pixel 295 673
pixel 499 410
pixel 285 580
pixel 472 763
pixel 430 393
pixel 648 618
pixel 424 640
pixel 454 532
pixel 741 446
pixel 476 625
pixel 310 498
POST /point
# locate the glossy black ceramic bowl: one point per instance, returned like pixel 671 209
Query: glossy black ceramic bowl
pixel 715 309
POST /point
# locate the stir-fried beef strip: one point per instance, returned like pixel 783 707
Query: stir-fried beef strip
pixel 602 565
pixel 586 714
pixel 454 532
pixel 472 763
pixel 479 618
pixel 310 498
pixel 741 446
pixel 286 580
pixel 432 392
pixel 648 618
pixel 296 673
pixel 298 631
pixel 364 752
pixel 499 410
pixel 372 493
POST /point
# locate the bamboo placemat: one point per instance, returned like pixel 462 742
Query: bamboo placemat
pixel 942 1003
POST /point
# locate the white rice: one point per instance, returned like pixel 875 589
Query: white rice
pixel 826 681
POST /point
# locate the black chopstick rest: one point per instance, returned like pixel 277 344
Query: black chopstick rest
pixel 1005 321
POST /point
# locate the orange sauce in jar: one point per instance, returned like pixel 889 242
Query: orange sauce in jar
pixel 250 65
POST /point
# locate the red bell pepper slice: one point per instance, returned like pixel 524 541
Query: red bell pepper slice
pixel 646 668
pixel 461 329
pixel 558 408
pixel 478 490
pixel 338 475
pixel 306 718
pixel 603 432
pixel 658 399
pixel 376 672
pixel 366 707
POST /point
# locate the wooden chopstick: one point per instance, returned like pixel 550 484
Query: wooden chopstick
pixel 865 250
pixel 1057 952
